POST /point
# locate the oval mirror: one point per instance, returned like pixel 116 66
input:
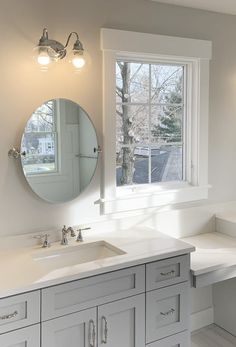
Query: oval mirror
pixel 61 150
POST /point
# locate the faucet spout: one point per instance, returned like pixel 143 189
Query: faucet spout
pixel 71 231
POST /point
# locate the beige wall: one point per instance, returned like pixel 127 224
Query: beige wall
pixel 23 88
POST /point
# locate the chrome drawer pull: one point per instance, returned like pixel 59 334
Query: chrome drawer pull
pixel 9 316
pixel 104 339
pixel 169 273
pixel 92 333
pixel 171 311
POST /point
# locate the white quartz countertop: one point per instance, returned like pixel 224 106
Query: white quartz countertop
pixel 214 251
pixel 21 273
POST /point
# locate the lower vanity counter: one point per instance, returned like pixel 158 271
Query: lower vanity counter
pixel 137 298
pixel 214 259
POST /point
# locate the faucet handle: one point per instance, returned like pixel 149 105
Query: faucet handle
pixel 80 236
pixel 72 232
pixel 46 242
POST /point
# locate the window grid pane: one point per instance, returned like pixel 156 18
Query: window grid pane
pixel 161 149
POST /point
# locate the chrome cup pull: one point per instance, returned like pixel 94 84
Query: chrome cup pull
pixel 9 316
pixel 92 333
pixel 104 329
pixel 169 273
pixel 168 313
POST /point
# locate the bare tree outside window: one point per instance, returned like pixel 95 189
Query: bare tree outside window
pixel 149 122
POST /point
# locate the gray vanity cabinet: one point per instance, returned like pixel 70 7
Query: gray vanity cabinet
pixel 19 311
pixel 74 330
pixel 87 312
pixel 122 323
pixel 19 316
pixel 179 340
pixel 29 337
pixel 93 291
pixel 141 306
pixel 167 311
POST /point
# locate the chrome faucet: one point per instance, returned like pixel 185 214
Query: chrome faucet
pixel 65 231
pixel 44 238
pixel 64 239
pixel 80 236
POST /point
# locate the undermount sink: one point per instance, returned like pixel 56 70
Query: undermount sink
pixel 74 255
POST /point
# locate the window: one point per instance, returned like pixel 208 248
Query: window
pixel 155 109
pixel 39 141
pixel 150 122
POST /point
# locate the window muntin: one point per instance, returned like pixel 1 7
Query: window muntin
pixel 40 141
pixel 150 122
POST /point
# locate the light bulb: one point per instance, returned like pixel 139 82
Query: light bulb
pixel 43 59
pixel 44 56
pixel 78 61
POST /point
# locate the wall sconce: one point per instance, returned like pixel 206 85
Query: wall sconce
pixel 49 51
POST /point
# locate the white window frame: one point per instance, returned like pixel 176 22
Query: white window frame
pixel 196 55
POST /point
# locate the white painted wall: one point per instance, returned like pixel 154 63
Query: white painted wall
pixel 24 88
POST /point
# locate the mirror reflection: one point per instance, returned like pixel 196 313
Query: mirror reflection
pixel 60 143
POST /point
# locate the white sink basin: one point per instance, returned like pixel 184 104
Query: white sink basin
pixel 74 255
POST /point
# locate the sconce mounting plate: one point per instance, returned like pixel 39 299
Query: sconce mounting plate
pixel 15 153
pixel 58 48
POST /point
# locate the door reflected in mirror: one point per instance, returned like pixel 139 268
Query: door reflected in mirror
pixel 61 145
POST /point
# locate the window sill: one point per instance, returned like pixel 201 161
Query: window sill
pixel 165 195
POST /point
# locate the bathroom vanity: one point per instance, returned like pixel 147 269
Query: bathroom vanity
pixel 136 298
pixel 128 288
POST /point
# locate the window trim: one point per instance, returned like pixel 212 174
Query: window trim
pixel 117 44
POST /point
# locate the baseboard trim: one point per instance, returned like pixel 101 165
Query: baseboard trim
pixel 202 319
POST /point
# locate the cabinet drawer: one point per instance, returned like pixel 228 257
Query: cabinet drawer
pixel 167 272
pixel 178 340
pixel 29 337
pixel 79 295
pixel 167 311
pixel 19 311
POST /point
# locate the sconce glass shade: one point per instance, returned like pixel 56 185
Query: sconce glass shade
pixel 78 59
pixel 44 56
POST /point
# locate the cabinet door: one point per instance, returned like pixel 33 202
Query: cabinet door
pixel 26 337
pixel 73 330
pixel 122 323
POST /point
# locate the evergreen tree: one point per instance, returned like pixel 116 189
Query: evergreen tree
pixel 169 127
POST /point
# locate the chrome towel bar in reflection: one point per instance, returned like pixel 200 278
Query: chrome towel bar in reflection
pixel 87 156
